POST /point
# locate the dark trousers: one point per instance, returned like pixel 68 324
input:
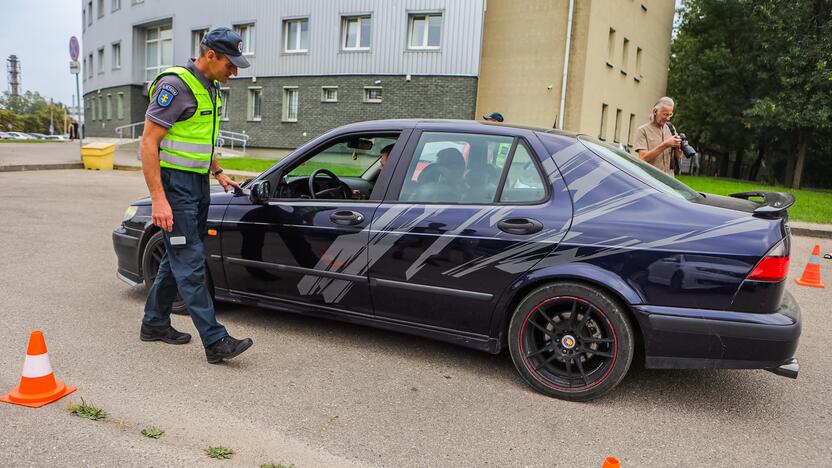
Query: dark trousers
pixel 183 265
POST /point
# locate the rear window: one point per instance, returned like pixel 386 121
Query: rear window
pixel 640 169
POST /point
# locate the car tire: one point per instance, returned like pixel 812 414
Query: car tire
pixel 571 341
pixel 151 258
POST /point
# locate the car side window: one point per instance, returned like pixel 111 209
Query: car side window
pixel 523 182
pixel 455 168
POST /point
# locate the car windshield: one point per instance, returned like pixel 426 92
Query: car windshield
pixel 640 169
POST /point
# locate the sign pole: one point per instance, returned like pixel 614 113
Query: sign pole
pixel 78 111
pixel 74 68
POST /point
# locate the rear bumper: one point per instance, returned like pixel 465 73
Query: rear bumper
pixel 681 338
pixel 126 247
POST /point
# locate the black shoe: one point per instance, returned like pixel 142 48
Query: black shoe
pixel 167 334
pixel 226 348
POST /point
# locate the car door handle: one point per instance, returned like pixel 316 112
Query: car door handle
pixel 520 225
pixel 346 218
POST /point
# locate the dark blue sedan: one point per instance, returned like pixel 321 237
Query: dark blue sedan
pixel 570 253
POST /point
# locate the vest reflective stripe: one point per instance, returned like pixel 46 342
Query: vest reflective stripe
pixel 182 161
pixel 184 146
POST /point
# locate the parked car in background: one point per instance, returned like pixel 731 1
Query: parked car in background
pixel 566 251
pixel 4 136
pixel 19 136
pixel 57 137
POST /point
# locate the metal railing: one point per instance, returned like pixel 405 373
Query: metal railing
pixel 228 136
pixel 133 128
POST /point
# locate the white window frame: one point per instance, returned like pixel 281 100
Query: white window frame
pixel 424 43
pixel 159 65
pixel 285 114
pixel 100 60
pixel 196 40
pixel 250 106
pixel 116 5
pixel 100 107
pixel 299 37
pixel 324 89
pixel 225 97
pixel 120 106
pixel 115 57
pixel 250 43
pixel 345 20
pixel 90 15
pixel 369 100
pixel 100 5
pixel 90 70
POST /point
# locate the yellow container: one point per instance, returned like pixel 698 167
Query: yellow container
pixel 98 156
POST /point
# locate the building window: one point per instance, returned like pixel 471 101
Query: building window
pixel 100 61
pixel 611 48
pixel 290 104
pixel 602 134
pixel 100 8
pixel 158 51
pixel 357 32
pixel 329 94
pixel 638 74
pixel 625 56
pixel 137 2
pixel 255 98
pixel 83 19
pixel 116 5
pixel 630 129
pixel 109 107
pixel 100 107
pixel 246 31
pixel 89 13
pixel 425 31
pixel 89 70
pixel 372 94
pixel 224 94
pixel 116 56
pixel 296 35
pixel 84 71
pixel 617 135
pixel 196 39
pixel 120 106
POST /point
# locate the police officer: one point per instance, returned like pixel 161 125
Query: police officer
pixel 177 149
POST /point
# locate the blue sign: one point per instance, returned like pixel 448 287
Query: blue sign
pixel 74 48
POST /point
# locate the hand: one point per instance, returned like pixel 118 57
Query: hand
pixel 226 182
pixel 162 214
pixel 672 142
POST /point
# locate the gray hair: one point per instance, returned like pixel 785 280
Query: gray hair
pixel 662 102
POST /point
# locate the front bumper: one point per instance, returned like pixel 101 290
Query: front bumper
pixel 681 338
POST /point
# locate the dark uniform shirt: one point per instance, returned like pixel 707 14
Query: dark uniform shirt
pixel 183 103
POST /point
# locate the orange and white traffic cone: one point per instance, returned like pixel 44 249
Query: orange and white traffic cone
pixel 811 274
pixel 611 462
pixel 38 386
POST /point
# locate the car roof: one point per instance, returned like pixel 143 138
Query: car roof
pixel 450 125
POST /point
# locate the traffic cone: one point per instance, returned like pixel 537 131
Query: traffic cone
pixel 811 275
pixel 611 462
pixel 38 386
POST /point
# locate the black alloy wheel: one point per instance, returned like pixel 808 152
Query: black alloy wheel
pixel 571 341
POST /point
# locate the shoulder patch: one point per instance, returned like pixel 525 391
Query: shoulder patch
pixel 166 94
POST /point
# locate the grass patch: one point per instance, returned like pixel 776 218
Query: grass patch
pixel 812 206
pixel 153 432
pixel 87 411
pixel 223 453
pixel 34 141
pixel 260 165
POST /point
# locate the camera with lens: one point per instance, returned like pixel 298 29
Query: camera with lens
pixel 687 149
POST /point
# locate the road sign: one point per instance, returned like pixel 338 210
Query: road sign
pixel 74 48
pixel 74 67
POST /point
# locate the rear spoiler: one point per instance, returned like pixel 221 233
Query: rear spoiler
pixel 774 204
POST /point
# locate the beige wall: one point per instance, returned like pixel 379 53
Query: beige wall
pixel 523 51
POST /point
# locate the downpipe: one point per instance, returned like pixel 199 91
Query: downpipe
pixel 789 368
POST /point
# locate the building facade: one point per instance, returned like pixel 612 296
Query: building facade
pixel 619 55
pixel 319 64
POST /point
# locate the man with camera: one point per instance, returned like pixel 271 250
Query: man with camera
pixel 657 141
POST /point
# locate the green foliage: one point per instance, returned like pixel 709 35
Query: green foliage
pixel 153 432
pixel 87 411
pixel 755 76
pixel 222 453
pixel 30 112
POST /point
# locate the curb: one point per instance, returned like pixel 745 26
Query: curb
pixel 809 232
pixel 41 167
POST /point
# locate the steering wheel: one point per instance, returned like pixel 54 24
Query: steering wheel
pixel 340 187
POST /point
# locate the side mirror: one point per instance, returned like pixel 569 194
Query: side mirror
pixel 260 192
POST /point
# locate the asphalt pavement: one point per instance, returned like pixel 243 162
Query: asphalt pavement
pixel 315 393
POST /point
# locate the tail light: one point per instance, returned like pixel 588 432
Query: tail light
pixel 773 267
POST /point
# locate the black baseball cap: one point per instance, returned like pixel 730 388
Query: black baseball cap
pixel 227 42
pixel 494 116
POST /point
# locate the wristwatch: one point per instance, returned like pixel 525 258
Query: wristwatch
pixel 217 172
